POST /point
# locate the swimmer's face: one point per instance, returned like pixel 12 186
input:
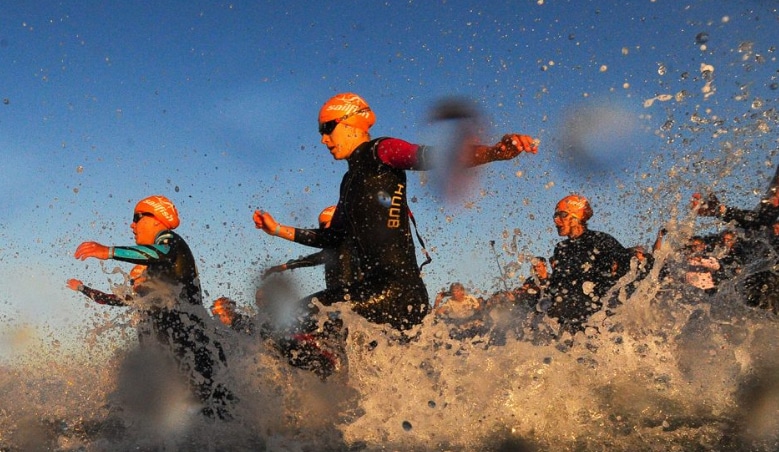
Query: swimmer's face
pixel 729 240
pixel 698 246
pixel 564 221
pixel 774 198
pixel 539 267
pixel 145 228
pixel 343 140
pixel 458 292
pixel 224 314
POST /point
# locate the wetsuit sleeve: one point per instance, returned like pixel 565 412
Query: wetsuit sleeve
pixel 403 155
pixel 318 238
pixel 620 255
pixel 141 254
pixel 764 215
pixel 102 297
pixel 312 260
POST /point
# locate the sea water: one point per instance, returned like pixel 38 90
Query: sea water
pixel 664 372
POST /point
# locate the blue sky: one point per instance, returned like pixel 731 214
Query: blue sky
pixel 214 105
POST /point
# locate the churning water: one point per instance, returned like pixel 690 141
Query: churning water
pixel 662 373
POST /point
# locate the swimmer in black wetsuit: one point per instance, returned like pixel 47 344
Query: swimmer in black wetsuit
pixel 761 217
pixel 371 225
pixel 762 286
pixel 584 266
pixel 334 270
pixel 169 295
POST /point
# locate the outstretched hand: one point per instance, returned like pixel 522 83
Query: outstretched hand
pixel 265 221
pixel 75 284
pixel 511 145
pixel 92 249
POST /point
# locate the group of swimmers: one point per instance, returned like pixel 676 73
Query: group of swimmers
pixel 591 269
pixel 369 246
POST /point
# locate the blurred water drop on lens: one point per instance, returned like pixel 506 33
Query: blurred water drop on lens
pixel 454 131
pixel 595 136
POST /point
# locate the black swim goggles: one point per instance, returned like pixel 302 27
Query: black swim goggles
pixel 138 215
pixel 326 128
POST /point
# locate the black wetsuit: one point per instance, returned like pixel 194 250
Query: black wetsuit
pixel 584 269
pixel 764 215
pixel 761 287
pixel 370 232
pixel 243 324
pixel 327 257
pixel 174 313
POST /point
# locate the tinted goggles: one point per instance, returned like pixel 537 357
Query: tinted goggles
pixel 138 215
pixel 326 128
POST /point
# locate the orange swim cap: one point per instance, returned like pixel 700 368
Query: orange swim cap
pixel 326 216
pixel 223 303
pixel 350 109
pixel 161 208
pixel 137 274
pixel 576 206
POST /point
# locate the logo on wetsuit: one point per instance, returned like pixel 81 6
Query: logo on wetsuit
pixel 393 221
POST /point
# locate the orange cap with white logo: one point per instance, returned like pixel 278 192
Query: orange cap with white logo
pixel 348 108
pixel 326 216
pixel 576 205
pixel 161 208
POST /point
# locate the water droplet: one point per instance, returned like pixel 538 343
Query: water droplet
pixel 384 198
pixel 406 426
pixel 702 38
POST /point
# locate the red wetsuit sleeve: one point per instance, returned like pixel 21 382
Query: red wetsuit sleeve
pixel 400 154
pixel 102 297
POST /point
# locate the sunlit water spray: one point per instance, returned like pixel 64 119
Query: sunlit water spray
pixel 663 372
